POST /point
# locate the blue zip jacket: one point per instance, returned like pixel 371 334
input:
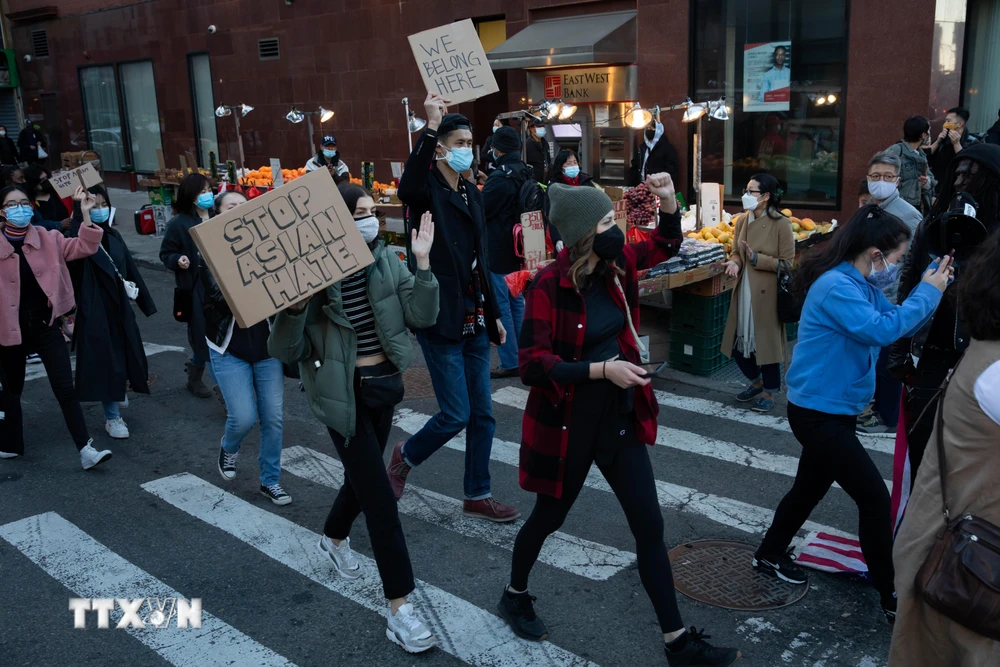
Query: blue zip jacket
pixel 845 322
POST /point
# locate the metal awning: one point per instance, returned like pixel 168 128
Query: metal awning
pixel 580 40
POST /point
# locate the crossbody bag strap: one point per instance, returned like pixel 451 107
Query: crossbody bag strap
pixel 113 266
pixel 628 319
pixel 942 463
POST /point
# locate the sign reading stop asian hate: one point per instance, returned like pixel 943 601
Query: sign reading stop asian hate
pixel 533 231
pixel 282 247
pixel 453 63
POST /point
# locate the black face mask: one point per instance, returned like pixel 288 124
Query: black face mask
pixel 650 133
pixel 608 244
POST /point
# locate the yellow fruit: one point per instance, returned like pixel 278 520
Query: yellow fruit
pixel 796 227
pixel 724 237
pixel 707 235
pixel 787 212
pixel 728 248
pixel 714 240
pixel 794 219
pixel 808 225
pixel 692 235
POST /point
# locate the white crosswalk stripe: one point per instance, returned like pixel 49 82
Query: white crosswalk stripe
pixel 91 570
pixel 38 371
pixel 694 443
pixel 727 511
pixel 566 552
pixel 467 632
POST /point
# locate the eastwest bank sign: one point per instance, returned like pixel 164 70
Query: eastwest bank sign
pixel 585 85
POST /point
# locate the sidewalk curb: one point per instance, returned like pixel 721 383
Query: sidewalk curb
pixel 147 263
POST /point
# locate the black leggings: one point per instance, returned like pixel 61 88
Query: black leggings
pixel 831 452
pixel 367 489
pixel 769 374
pixel 37 336
pixel 630 476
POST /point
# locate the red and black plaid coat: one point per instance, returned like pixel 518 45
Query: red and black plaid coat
pixel 554 323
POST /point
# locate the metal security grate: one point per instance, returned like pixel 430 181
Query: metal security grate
pixel 40 43
pixel 267 49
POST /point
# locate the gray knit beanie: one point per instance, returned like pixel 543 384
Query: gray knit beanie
pixel 576 210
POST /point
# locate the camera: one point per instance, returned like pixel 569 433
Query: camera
pixel 212 29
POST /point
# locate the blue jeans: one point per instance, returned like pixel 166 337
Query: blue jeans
pixel 511 316
pixel 111 410
pixel 468 406
pixel 887 391
pixel 239 382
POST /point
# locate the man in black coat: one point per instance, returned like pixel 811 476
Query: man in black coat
pixel 536 152
pixel 654 155
pixel 503 211
pixel 457 347
pixel 8 149
pixel 29 141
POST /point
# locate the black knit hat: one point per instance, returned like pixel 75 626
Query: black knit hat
pixel 506 140
pixel 452 122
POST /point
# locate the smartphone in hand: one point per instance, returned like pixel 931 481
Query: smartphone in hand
pixel 654 369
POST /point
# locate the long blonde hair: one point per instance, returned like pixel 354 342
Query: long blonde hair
pixel 579 257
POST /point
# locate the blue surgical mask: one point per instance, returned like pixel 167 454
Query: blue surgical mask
pixel 495 128
pixel 19 216
pixel 459 159
pixel 100 215
pixel 205 201
pixel 572 172
pixel 328 154
pixel 540 131
pixel 883 278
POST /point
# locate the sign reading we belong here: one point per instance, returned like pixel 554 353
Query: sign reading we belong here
pixel 453 63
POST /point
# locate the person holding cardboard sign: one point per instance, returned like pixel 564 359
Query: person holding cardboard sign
pixel 35 292
pixel 458 344
pixel 351 344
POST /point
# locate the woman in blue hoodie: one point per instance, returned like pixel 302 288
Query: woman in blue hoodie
pixel 845 322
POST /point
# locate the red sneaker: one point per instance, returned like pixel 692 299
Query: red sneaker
pixel 490 509
pixel 398 470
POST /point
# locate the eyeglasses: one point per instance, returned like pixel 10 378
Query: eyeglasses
pixel 875 178
pixel 14 204
pixel 751 192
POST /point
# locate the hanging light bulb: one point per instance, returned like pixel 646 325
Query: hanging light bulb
pixel 693 113
pixel 325 115
pixel 222 111
pixel 567 111
pixel 245 109
pixel 637 117
pixel 295 116
pixel 415 124
pixel 831 98
pixel 550 109
pixel 719 110
pixel 820 101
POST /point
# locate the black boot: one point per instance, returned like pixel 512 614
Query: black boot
pixel 519 612
pixel 195 383
pixel 691 650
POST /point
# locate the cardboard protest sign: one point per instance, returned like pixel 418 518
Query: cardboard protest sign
pixel 533 231
pixel 711 205
pixel 66 182
pixel 281 247
pixel 452 62
pixel 276 176
pixel 621 215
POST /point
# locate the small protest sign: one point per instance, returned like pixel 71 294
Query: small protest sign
pixel 66 182
pixel 281 247
pixel 452 62
pixel 533 232
pixel 711 205
pixel 621 214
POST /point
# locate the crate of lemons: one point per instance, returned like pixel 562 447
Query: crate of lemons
pixel 723 232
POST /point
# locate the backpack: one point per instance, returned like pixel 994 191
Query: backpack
pixel 530 197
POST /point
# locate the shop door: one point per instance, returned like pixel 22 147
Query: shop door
pixel 52 128
pixel 8 113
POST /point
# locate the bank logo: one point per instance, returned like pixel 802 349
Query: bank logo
pixel 553 86
pixel 140 613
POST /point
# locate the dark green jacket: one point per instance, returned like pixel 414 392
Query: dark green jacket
pixel 322 333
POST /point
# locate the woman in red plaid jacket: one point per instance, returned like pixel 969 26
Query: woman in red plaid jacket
pixel 591 402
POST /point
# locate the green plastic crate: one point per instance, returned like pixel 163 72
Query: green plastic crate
pixel 703 315
pixel 696 354
pixel 792 330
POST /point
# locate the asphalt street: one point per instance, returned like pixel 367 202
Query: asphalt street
pixel 158 518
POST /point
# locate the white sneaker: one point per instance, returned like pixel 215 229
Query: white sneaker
pixel 8 455
pixel 123 404
pixel 343 558
pixel 116 428
pixel 408 630
pixel 90 457
pixel 33 359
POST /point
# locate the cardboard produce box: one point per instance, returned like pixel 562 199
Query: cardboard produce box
pixel 717 284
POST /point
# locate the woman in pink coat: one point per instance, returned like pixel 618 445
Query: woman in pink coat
pixel 35 291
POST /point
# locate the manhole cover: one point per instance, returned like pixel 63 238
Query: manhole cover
pixel 417 383
pixel 719 573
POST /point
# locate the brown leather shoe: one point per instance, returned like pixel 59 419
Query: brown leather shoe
pixel 491 510
pixel 398 470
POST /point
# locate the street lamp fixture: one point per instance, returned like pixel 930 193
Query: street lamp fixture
pixel 637 117
pixel 324 115
pixel 224 110
pixel 297 116
pixel 567 111
pixel 413 124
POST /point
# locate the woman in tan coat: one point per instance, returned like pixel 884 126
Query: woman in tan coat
pixel 754 336
pixel 923 637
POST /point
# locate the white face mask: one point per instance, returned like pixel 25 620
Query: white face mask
pixel 881 190
pixel 749 201
pixel 368 228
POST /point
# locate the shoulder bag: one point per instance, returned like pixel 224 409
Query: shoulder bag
pixel 961 576
pixel 789 305
pixel 131 289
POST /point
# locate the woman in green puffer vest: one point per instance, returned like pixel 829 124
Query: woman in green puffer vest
pixel 351 344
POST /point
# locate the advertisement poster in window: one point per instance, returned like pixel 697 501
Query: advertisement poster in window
pixel 767 76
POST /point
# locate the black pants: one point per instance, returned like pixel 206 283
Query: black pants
pixel 48 343
pixel 367 489
pixel 832 453
pixel 922 400
pixel 769 373
pixel 630 476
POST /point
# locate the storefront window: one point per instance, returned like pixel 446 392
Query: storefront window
pixel 141 114
pixel 100 109
pixel 781 65
pixel 982 64
pixel 200 71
